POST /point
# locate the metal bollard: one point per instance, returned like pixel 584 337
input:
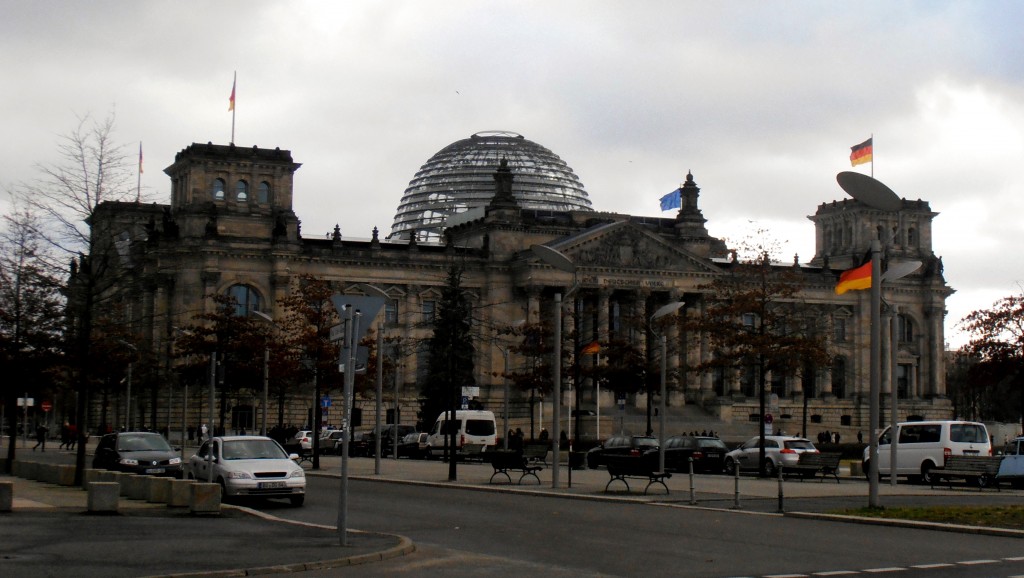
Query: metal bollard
pixel 693 496
pixel 736 494
pixel 781 497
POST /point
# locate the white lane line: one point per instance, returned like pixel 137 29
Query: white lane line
pixel 836 573
pixel 976 562
pixel 1014 558
pixel 881 570
pixel 931 566
pixel 786 576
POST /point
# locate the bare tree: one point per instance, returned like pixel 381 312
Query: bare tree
pixel 31 313
pixel 91 169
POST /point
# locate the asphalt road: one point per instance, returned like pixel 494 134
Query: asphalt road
pixel 471 533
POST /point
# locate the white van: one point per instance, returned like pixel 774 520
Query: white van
pixel 470 427
pixel 922 446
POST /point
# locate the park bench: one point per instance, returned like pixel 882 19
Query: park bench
pixel 505 461
pixel 472 452
pixel 981 470
pixel 811 463
pixel 643 467
pixel 536 453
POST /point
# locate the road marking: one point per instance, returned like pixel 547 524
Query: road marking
pixel 786 576
pixel 1014 559
pixel 931 566
pixel 836 573
pixel 881 570
pixel 976 562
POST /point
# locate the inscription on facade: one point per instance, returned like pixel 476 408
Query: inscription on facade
pixel 597 280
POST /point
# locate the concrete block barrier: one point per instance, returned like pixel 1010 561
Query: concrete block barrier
pixel 6 496
pixel 123 479
pixel 138 487
pixel 104 497
pixel 205 499
pixel 66 475
pixel 159 490
pixel 180 495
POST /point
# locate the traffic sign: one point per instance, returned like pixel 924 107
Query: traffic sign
pixel 768 419
pixel 337 332
pixel 46 406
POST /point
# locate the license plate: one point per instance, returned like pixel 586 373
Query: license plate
pixel 271 485
pixel 155 471
pixel 714 456
pixel 970 452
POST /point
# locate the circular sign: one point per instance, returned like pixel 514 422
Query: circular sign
pixel 46 406
pixel 768 418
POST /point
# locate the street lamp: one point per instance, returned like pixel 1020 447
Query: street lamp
pixel 561 262
pixel 876 195
pixel 266 371
pixel 128 392
pixel 377 292
pixel 662 312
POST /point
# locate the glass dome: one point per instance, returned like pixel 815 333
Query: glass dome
pixel 460 177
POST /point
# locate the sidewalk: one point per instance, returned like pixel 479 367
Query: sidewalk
pixel 49 533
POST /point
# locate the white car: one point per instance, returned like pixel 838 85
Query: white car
pixel 249 466
pixel 303 438
pixel 779 451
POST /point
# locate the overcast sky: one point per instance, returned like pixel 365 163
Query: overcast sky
pixel 761 100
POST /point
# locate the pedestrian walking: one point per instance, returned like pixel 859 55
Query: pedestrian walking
pixel 65 436
pixel 41 437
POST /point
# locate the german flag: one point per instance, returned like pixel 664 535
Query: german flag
pixel 860 154
pixel 854 279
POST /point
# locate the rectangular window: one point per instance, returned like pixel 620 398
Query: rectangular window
pixel 840 330
pixel 428 310
pixel 902 380
pixel 391 312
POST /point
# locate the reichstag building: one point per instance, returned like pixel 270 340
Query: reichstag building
pixel 483 201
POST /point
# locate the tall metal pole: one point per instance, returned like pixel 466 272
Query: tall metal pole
pixel 349 375
pixel 893 393
pixel 380 395
pixel 661 407
pixel 128 410
pixel 556 398
pixel 266 388
pixel 210 430
pixel 876 370
pixel 505 430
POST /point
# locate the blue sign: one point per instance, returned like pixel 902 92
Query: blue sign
pixel 325 401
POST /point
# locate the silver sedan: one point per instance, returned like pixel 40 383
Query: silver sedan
pixel 249 466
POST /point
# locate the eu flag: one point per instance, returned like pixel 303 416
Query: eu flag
pixel 672 200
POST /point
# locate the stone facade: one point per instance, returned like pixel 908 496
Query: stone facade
pixel 230 227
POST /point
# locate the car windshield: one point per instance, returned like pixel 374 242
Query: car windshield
pixel 252 450
pixel 711 444
pixel 799 445
pixel 645 442
pixel 142 443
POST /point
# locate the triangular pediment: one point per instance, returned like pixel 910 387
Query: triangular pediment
pixel 625 246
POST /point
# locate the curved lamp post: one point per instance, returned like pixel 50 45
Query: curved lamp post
pixel 266 372
pixel 561 262
pixel 662 311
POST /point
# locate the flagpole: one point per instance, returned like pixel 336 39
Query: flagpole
pixel 138 183
pixel 235 83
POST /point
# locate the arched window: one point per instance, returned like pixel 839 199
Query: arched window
pixel 912 238
pixel 263 193
pixel 242 191
pixel 218 190
pixel 246 298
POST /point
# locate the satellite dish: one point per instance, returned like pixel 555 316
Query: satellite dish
pixel 900 269
pixel 554 258
pixel 869 191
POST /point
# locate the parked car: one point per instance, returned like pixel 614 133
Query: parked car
pixel 708 454
pixel 414 445
pixel 779 451
pixel 145 453
pixel 357 446
pixel 1011 467
pixel 302 438
pixel 387 438
pixel 620 446
pixel 249 466
pixel 330 442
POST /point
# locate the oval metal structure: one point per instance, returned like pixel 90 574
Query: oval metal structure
pixel 869 191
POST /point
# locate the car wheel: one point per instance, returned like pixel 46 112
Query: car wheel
pixel 730 467
pixel 297 500
pixel 927 477
pixel 769 468
pixel 984 481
